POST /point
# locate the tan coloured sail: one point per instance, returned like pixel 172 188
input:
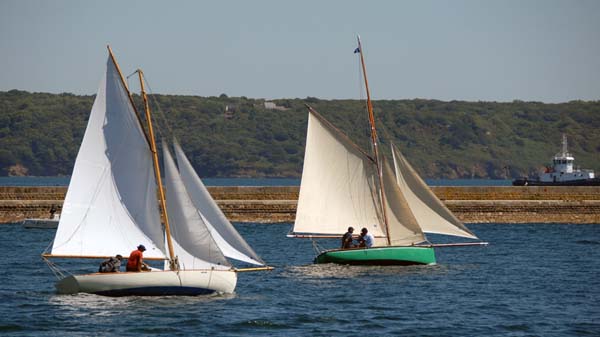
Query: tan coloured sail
pixel 403 227
pixel 338 187
pixel 431 214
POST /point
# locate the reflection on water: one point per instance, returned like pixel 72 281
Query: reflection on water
pixel 336 271
pixel 111 305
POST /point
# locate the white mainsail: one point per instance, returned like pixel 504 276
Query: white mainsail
pixel 431 214
pixel 194 244
pixel 338 187
pixel 226 236
pixel 111 205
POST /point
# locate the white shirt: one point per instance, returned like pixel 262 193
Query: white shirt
pixel 369 240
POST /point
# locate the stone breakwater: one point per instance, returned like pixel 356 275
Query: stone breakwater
pixel 481 204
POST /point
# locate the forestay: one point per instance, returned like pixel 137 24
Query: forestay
pixel 230 242
pixel 111 205
pixel 431 214
pixel 338 187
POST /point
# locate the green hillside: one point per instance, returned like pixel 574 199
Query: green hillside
pixel 239 137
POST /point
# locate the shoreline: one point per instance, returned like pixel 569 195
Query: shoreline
pixel 277 204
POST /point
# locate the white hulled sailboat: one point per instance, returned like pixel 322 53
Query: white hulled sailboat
pixel 111 207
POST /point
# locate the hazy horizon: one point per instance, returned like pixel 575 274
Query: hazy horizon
pixel 494 51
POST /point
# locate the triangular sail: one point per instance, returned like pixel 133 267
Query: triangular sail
pixel 187 224
pixel 338 187
pixel 431 214
pixel 403 227
pixel 226 236
pixel 111 205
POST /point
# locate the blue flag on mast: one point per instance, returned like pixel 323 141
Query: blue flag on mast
pixel 357 50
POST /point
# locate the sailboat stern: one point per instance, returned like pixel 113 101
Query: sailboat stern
pixel 159 283
pixel 379 256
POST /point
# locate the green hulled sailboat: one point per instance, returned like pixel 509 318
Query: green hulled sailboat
pixel 344 186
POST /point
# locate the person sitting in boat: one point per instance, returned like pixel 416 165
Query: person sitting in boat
pixel 112 265
pixel 347 241
pixel 135 262
pixel 365 239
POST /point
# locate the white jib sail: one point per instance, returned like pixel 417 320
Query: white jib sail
pixel 111 205
pixel 338 187
pixel 432 215
pixel 186 223
pixel 226 236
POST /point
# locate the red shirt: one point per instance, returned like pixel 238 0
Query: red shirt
pixel 134 260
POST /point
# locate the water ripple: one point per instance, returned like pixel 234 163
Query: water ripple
pixel 533 280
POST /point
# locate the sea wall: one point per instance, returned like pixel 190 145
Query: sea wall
pixel 481 204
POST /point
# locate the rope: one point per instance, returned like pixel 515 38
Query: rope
pixel 318 249
pixel 56 270
pixel 160 112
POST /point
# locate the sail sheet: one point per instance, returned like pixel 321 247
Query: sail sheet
pixel 431 214
pixel 228 239
pixel 111 204
pixel 187 225
pixel 338 187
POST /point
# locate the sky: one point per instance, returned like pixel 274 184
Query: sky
pixel 545 50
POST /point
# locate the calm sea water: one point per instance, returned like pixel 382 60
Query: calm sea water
pixel 532 280
pixel 64 181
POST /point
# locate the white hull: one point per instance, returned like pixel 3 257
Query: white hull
pixel 155 283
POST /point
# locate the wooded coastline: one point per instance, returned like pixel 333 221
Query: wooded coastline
pixel 40 133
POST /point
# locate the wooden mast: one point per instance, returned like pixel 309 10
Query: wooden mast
pixel 150 139
pixel 173 261
pixel 374 141
pixel 112 57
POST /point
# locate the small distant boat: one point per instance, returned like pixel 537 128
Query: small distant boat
pixel 561 173
pixel 345 186
pixel 41 223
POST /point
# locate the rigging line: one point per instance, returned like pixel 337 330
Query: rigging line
pixel 361 97
pixel 382 126
pixel 317 248
pixel 127 78
pixel 160 111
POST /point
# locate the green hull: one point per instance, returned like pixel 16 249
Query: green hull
pixel 380 256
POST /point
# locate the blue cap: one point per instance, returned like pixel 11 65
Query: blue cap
pixel 141 247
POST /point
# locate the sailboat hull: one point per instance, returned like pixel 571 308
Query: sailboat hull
pixel 156 283
pixel 379 256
